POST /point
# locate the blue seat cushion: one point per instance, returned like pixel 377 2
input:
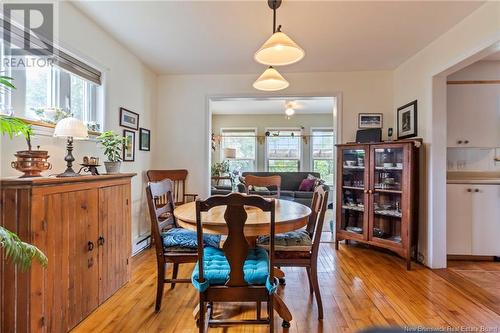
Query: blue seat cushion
pixel 216 269
pixel 176 238
pixel 297 240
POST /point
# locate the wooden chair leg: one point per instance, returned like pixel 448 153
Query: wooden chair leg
pixel 314 276
pixel 308 270
pixel 175 269
pixel 202 317
pixel 258 310
pixel 271 314
pixel 159 287
pixel 337 245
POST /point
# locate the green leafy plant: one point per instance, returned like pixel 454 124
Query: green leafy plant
pixel 113 144
pixel 21 253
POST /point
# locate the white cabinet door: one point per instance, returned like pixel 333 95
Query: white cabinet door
pixel 486 220
pixel 459 219
pixel 473 115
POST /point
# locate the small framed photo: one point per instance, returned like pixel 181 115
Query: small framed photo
pixel 370 120
pixel 129 148
pixel 144 139
pixel 407 120
pixel 129 119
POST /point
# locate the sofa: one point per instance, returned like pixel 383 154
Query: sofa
pixel 290 182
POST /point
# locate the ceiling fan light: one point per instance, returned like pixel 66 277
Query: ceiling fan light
pixel 289 112
pixel 279 50
pixel 271 80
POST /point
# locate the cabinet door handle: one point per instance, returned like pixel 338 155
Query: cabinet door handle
pixel 469 190
pixel 476 190
pixel 370 191
pixel 100 241
pixel 459 142
pixel 90 246
pixel 466 141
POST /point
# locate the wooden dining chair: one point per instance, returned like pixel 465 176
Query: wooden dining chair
pixel 238 272
pixel 178 177
pixel 163 224
pixel 302 245
pixel 274 182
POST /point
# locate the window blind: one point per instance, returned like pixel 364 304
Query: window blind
pixel 20 38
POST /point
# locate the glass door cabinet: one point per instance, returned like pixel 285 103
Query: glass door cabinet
pixel 376 195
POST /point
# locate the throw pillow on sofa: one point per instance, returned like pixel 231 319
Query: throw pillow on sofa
pixel 307 185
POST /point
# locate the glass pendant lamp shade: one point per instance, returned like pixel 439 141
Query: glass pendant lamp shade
pixel 279 50
pixel 271 80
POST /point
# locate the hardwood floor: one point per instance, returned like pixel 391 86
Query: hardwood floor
pixel 360 288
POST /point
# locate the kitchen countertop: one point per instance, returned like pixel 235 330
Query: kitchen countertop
pixel 473 177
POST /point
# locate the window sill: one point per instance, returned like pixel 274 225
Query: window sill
pixel 52 126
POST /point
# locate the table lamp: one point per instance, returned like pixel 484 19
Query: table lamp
pixel 70 128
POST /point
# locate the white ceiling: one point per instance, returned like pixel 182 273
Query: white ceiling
pixel 254 106
pixel 220 37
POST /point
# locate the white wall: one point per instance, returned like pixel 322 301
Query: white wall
pixel 128 83
pixel 261 122
pixel 423 77
pixel 182 120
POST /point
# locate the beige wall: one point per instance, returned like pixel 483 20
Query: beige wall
pixel 183 139
pixel 261 122
pixel 423 77
pixel 128 83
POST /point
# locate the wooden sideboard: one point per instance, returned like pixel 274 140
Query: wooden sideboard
pixel 83 225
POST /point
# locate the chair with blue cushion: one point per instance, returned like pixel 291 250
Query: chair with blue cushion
pixel 300 248
pixel 237 272
pixel 173 244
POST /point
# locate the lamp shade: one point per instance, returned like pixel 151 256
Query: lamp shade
pixel 271 80
pixel 71 127
pixel 229 153
pixel 279 50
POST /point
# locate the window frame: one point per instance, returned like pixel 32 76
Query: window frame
pixel 252 129
pixel 311 150
pixel 301 155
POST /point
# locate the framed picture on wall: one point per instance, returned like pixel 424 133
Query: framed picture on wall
pixel 129 148
pixel 144 139
pixel 407 120
pixel 370 120
pixel 129 119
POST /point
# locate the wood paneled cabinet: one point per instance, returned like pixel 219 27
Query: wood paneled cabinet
pixel 473 219
pixel 377 195
pixel 83 227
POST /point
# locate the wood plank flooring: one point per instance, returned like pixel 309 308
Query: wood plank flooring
pixel 360 288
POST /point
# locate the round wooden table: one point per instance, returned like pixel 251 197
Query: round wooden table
pixel 289 216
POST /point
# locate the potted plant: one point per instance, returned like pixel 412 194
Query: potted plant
pixel 113 145
pixel 31 162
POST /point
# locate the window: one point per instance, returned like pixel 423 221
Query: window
pixel 48 87
pixel 283 150
pixel 244 141
pixel 322 142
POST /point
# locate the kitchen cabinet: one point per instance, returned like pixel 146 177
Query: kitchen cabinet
pixel 473 219
pixel 82 224
pixel 473 115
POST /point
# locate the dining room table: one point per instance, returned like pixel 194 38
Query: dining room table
pixel 289 216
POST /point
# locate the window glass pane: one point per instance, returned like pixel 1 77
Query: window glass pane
pixel 283 144
pixel 283 165
pixel 322 142
pixel 77 96
pixel 38 89
pixel 239 166
pixel 242 141
pixel 325 169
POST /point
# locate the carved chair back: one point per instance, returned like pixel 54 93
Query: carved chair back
pixel 178 178
pixel 317 217
pixel 236 246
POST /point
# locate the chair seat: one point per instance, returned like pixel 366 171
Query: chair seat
pixel 216 268
pixel 183 240
pixel 297 240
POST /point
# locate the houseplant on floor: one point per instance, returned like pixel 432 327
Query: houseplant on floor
pixel 113 145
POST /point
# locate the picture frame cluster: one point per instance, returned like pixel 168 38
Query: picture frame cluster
pixel 130 120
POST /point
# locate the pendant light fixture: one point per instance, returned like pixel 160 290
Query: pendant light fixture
pixel 279 49
pixel 271 80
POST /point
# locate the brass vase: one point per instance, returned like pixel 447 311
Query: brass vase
pixel 31 162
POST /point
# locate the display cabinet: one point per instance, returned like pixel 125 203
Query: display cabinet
pixel 377 193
